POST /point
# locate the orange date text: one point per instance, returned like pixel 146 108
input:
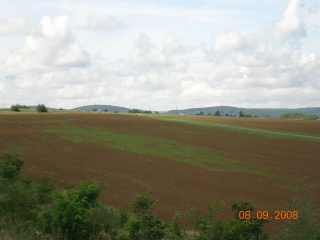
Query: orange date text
pixel 266 215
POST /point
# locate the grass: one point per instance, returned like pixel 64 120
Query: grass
pixel 245 129
pixel 12 151
pixel 136 142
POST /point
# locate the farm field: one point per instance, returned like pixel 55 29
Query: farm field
pixel 186 166
pixel 286 125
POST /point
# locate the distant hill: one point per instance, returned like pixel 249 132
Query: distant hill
pixel 102 107
pixel 261 112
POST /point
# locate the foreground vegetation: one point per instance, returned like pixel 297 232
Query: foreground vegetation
pixel 39 210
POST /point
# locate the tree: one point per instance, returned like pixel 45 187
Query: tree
pixel 145 226
pixel 17 200
pixel 200 113
pixel 14 108
pixel 307 225
pixel 241 114
pixel 41 108
pixel 217 113
pixel 210 227
pixel 105 110
pixel 135 110
pixel 17 196
pixel 10 167
pixel 69 215
pixel 93 109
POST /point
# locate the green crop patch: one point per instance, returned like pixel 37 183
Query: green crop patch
pixel 250 130
pixel 139 143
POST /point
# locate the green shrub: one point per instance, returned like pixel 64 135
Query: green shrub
pixel 10 167
pixel 299 116
pixel 307 226
pixel 44 189
pixel 14 108
pixel 145 226
pixel 69 216
pixel 17 201
pixel 135 110
pixel 211 228
pixel 41 108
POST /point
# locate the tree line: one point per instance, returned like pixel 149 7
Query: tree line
pixel 299 116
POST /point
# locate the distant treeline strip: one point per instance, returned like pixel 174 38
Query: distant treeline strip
pixel 299 116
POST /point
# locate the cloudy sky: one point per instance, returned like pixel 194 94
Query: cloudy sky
pixel 160 54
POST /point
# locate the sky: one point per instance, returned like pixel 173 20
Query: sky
pixel 157 55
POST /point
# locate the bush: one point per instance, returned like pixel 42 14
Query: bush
pixel 145 226
pixel 93 109
pixel 146 111
pixel 17 196
pixel 299 116
pixel 210 227
pixel 69 215
pixel 41 108
pixel 135 110
pixel 217 113
pixel 14 108
pixel 10 167
pixel 44 189
pixel 307 226
pixel 105 110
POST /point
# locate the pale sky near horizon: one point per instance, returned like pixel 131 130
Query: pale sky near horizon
pixel 157 55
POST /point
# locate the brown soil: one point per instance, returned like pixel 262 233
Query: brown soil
pixel 289 125
pixel 177 186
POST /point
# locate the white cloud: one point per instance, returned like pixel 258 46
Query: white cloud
pixel 17 26
pixel 315 8
pixel 290 27
pixel 143 58
pixel 148 68
pixel 174 46
pixel 109 23
pixel 231 42
pixel 54 48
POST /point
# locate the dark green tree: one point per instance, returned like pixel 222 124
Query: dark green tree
pixel 41 108
pixel 211 228
pixel 135 110
pixel 69 215
pixel 217 113
pixel 14 108
pixel 307 226
pixel 10 167
pixel 146 226
pixel 17 196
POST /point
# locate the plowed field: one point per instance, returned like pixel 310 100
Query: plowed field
pixel 186 166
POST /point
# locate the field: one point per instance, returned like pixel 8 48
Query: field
pixel 186 165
